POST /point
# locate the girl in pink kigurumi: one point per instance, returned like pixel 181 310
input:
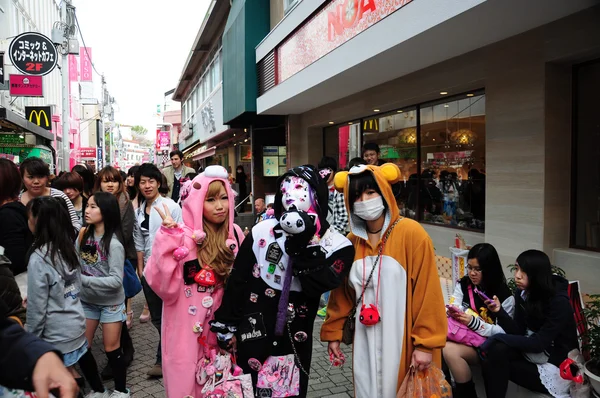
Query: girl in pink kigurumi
pixel 188 269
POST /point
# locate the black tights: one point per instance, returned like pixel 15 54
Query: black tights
pixel 503 363
pixel 117 362
pixel 89 368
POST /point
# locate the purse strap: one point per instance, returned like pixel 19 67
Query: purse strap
pixel 385 238
pixel 472 298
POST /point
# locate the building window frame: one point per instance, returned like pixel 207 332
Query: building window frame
pixel 417 108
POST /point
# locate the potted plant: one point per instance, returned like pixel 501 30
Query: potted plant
pixel 591 342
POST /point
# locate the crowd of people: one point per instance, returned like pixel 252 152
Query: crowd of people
pixel 218 295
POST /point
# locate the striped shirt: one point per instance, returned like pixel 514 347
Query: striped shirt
pixel 55 193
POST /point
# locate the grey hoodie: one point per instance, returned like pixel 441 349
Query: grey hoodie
pixel 54 312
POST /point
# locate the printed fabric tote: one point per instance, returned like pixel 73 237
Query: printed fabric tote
pixel 279 377
pixel 219 377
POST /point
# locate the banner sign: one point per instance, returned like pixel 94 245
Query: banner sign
pixel 1 68
pixel 87 153
pixel 40 115
pixel 33 54
pixel 164 140
pixel 25 86
pixel 85 62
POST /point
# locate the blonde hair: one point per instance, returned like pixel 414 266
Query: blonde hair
pixel 214 251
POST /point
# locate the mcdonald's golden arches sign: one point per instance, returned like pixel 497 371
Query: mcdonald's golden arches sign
pixel 371 125
pixel 40 115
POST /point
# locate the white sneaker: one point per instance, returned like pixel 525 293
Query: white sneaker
pixel 105 394
pixel 119 394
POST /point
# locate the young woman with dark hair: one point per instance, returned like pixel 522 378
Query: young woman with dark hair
pixel 15 237
pixel 538 338
pixel 72 185
pixel 88 178
pixel 102 257
pixel 484 274
pixel 132 189
pixel 54 311
pixel 35 174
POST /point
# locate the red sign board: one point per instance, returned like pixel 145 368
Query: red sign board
pixel 26 86
pixel 338 22
pixel 87 153
pixel 85 57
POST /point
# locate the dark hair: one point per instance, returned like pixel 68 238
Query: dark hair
pixel 36 167
pixel 123 175
pixel 132 190
pixel 53 228
pixel 355 162
pixel 164 185
pixel 87 174
pixel 11 180
pixel 148 170
pixel 111 217
pixel 69 180
pixel 493 281
pixel 176 152
pixel 359 183
pixel 191 176
pixel 540 289
pixel 327 162
pixel 370 146
pixel 109 173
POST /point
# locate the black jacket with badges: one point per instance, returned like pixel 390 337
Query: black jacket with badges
pixel 555 333
pixel 15 236
pixel 254 287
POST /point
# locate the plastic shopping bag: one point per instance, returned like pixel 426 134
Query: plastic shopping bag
pixel 428 383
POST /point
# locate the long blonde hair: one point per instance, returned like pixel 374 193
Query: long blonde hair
pixel 214 251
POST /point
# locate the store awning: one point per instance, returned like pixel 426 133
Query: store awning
pixel 205 154
pixel 10 121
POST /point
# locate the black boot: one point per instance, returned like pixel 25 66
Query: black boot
pixel 464 390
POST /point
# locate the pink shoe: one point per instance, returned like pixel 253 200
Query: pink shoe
pixel 145 317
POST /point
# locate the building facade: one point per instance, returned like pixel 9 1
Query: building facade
pixel 485 105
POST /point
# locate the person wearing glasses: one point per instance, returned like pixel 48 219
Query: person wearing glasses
pixel 484 274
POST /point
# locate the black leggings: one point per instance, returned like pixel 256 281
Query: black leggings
pixel 89 368
pixel 503 363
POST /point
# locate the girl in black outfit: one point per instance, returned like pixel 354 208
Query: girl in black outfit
pixel 241 178
pixel 539 337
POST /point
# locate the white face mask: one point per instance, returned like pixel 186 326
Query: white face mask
pixel 369 210
pixel 295 192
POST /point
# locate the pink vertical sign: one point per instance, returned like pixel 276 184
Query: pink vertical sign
pixel 73 68
pixel 343 144
pixel 85 56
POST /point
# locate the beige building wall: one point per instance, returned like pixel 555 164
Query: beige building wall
pixel 527 80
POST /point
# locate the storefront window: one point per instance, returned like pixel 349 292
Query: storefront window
pixel 586 159
pixel 342 143
pixel 452 179
pixel 440 150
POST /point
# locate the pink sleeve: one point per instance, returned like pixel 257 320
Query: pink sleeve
pixel 163 272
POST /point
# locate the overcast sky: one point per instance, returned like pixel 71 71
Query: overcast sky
pixel 141 47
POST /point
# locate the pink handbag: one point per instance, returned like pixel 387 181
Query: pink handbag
pixel 459 333
pixel 215 376
pixel 279 376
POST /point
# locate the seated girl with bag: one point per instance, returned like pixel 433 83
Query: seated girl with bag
pixel 484 275
pixel 538 338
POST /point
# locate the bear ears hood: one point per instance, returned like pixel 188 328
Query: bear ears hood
pixel 193 206
pixel 385 176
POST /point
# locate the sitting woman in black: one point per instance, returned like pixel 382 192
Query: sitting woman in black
pixel 539 337
pixel 484 274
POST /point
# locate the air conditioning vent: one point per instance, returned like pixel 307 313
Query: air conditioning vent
pixel 267 73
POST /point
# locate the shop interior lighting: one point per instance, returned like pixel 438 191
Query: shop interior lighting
pixel 246 140
pixel 375 110
pixel 331 123
pixel 443 93
pixel 400 111
pixel 245 130
pixel 21 136
pixel 470 95
pixel 350 123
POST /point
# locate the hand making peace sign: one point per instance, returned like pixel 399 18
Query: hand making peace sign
pixel 167 220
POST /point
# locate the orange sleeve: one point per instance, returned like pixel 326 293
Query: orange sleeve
pixel 341 301
pixel 430 325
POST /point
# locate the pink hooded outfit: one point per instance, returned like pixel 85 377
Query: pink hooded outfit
pixel 187 306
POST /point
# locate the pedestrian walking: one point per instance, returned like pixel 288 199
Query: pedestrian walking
pixel 272 296
pixel 189 265
pixel 102 256
pixel 393 288
pixel 148 180
pixel 71 184
pixel 54 310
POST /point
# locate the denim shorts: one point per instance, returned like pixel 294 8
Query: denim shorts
pixel 105 313
pixel 71 358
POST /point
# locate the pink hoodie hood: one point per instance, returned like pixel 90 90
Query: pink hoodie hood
pixel 193 206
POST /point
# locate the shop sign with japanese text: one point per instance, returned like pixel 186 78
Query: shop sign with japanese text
pixel 87 153
pixel 33 54
pixel 26 86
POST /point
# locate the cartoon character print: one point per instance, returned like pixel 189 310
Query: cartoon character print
pixel 280 375
pixel 91 255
